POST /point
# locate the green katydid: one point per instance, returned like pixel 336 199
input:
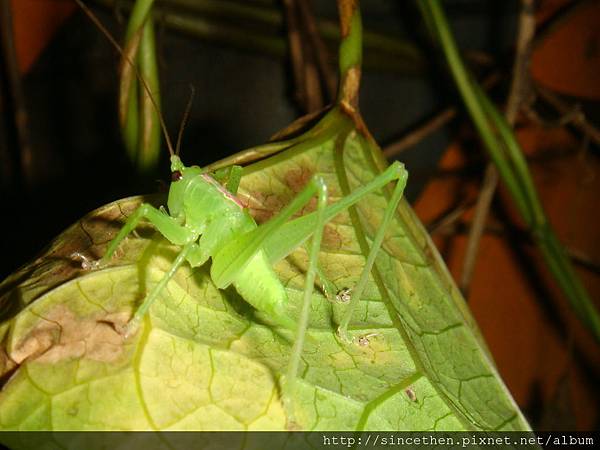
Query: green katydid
pixel 206 220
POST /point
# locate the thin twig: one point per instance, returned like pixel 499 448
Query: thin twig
pixel 453 227
pixel 562 121
pixel 17 96
pixel 320 49
pixel 564 108
pixel 448 218
pixel 296 53
pixel 482 209
pixel 441 118
pixel 413 137
pixel 476 167
pixel 314 93
pixel 518 92
pixel 305 64
pixel 584 260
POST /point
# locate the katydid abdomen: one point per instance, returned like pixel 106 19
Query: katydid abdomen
pixel 214 214
pixel 258 284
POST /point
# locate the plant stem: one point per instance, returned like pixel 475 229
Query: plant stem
pixel 350 55
pixel 139 117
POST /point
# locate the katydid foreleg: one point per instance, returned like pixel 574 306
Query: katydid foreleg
pixel 165 224
pixel 143 308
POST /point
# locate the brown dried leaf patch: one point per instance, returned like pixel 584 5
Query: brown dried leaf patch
pixel 62 335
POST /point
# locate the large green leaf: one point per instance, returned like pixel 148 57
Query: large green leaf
pixel 203 360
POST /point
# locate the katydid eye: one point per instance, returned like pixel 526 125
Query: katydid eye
pixel 176 176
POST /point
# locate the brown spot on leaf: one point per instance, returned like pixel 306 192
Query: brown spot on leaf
pixel 298 178
pixel 292 425
pixel 263 206
pixel 61 335
pixel 6 364
pixel 410 393
pixel 332 239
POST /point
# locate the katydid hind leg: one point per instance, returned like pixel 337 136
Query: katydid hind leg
pixel 315 246
pixel 231 265
pixel 233 257
pixel 293 233
pixel 358 290
pixel 325 285
pixel 279 236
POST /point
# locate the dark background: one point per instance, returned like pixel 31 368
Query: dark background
pixel 242 98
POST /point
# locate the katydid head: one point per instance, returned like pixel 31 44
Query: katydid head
pixel 180 179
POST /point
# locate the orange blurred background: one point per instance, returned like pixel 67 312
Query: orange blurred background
pixel 556 365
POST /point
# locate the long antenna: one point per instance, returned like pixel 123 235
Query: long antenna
pixel 186 116
pixel 139 76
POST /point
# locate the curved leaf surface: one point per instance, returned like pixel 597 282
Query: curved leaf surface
pixel 204 360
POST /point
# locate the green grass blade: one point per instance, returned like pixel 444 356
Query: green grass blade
pixel 500 142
